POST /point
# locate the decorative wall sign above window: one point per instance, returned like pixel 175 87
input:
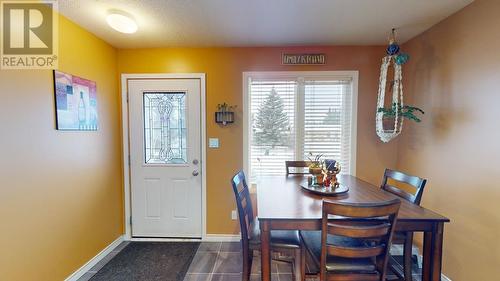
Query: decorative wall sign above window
pixel 303 59
pixel 76 103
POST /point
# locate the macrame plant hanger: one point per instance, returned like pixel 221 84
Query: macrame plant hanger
pixel 395 59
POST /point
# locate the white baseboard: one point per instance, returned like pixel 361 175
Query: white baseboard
pixel 444 278
pixel 93 261
pixel 207 238
pixel 222 238
pixel 157 239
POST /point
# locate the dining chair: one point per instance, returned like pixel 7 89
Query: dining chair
pixel 281 241
pixel 296 164
pixel 404 238
pixel 355 246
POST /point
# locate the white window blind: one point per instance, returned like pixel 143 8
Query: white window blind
pixel 327 120
pixel 290 118
pixel 268 156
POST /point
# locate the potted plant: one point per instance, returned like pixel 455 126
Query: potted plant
pixel 315 168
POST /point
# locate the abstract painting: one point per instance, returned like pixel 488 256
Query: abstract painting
pixel 76 103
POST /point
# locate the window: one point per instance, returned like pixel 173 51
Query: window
pixel 290 114
pixel 164 128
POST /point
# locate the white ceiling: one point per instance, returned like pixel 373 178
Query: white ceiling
pixel 200 23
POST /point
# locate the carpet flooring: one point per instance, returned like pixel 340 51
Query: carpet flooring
pixel 149 261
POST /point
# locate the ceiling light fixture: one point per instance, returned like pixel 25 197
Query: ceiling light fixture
pixel 122 23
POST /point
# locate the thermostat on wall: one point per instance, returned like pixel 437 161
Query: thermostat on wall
pixel 213 142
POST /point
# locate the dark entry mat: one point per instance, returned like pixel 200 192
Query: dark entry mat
pixel 167 261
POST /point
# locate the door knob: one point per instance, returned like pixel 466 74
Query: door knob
pixel 195 173
pixel 195 161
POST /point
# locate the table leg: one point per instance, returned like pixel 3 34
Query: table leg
pixel 433 253
pixel 265 244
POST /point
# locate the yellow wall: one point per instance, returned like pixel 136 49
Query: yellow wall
pixel 224 67
pixel 454 75
pixel 60 192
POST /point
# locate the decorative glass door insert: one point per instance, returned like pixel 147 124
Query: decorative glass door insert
pixel 165 128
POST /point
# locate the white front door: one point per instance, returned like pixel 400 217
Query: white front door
pixel 165 151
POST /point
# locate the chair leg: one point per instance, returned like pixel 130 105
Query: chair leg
pixel 247 264
pixel 302 262
pixel 250 264
pixel 407 255
pixel 297 265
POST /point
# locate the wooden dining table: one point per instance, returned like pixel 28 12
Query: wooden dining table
pixel 282 204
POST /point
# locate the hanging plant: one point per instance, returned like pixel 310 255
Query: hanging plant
pixel 389 121
pixel 405 111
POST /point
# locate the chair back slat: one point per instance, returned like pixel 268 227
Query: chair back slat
pixel 296 164
pixel 355 231
pixel 355 252
pixel 361 210
pixel 243 204
pixel 414 181
pixel 365 232
pixel 401 193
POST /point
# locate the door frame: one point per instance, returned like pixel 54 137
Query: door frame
pixel 126 148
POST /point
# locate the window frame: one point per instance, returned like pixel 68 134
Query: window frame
pixel 298 75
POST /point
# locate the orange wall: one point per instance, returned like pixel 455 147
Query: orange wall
pixel 453 74
pixel 224 67
pixel 60 192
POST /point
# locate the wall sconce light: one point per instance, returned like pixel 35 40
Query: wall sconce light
pixel 224 114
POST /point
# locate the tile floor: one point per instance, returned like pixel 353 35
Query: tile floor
pixel 216 261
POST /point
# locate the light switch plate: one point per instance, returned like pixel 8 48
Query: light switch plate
pixel 213 142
